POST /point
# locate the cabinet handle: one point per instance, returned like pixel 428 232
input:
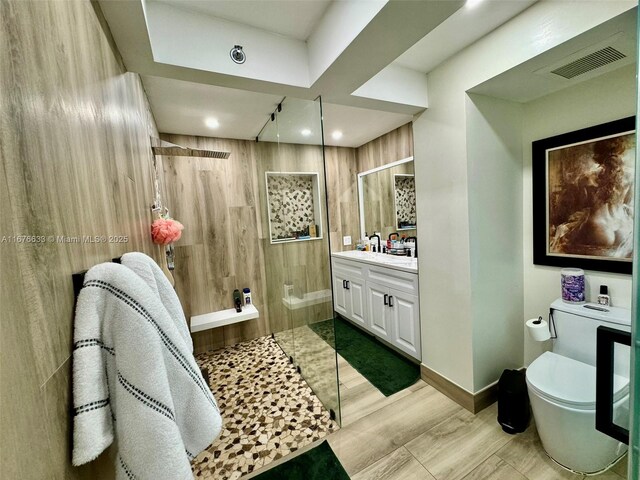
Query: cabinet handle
pixel 344 284
pixel 385 299
pixel 391 300
pixel 348 286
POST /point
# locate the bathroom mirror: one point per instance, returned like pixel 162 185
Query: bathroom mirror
pixel 387 199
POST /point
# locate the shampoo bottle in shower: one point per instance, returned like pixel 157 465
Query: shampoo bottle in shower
pixel 237 300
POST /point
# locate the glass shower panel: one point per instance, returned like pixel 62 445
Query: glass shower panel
pixel 268 153
pixel 296 244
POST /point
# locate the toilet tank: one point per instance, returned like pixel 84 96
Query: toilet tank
pixel 576 325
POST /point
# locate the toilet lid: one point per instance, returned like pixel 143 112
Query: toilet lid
pixel 569 381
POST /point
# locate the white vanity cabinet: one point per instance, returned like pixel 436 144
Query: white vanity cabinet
pixel 349 292
pixel 405 318
pixel 381 315
pixel 380 294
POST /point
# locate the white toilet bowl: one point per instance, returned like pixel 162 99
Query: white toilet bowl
pixel 562 392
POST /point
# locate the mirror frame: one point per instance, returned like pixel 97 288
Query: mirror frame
pixel 361 189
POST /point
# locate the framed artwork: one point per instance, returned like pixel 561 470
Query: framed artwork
pixel 583 185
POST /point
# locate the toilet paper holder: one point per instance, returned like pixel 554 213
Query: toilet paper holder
pixel 554 332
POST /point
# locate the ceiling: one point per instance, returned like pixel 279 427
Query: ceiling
pixel 366 58
pixel 460 30
pixel 299 123
pixel 348 42
pixel 295 19
pixel 534 78
pixel 183 108
pixel 358 125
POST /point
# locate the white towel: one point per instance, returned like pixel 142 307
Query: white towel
pixel 147 269
pixel 135 380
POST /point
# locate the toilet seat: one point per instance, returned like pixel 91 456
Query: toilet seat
pixel 569 382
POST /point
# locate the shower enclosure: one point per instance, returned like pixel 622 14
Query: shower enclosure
pixel 295 233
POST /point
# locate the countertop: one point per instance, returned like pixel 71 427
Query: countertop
pixel 404 264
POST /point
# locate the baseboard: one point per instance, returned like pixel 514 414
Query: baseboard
pixel 467 400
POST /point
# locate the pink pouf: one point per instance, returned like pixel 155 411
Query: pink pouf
pixel 166 230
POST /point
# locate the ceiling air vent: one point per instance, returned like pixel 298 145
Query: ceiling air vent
pixel 589 62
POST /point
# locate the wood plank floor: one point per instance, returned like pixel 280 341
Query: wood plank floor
pixel 420 434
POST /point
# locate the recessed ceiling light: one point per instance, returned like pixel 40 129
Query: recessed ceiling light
pixel 212 122
pixel 472 3
pixel 306 132
pixel 337 135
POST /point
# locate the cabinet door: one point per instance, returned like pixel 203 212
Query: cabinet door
pixel 379 311
pixel 358 301
pixel 405 322
pixel 340 296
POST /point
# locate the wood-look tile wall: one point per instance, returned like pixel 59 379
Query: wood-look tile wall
pixel 343 165
pixel 388 148
pixel 342 185
pixel 217 200
pixel 225 244
pixel 76 160
pixel 305 264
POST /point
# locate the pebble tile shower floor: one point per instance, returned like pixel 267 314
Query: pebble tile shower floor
pixel 267 408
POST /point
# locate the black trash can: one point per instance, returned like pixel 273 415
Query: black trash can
pixel 513 401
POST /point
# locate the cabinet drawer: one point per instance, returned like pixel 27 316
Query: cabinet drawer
pixel 403 281
pixel 356 270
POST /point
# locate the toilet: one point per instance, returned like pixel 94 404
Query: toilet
pixel 562 388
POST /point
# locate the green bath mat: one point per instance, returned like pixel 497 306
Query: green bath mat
pixel 387 370
pixel 319 463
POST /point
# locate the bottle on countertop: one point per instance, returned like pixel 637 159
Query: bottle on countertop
pixel 604 298
pixel 246 293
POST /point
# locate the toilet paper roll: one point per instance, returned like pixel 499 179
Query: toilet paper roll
pixel 538 329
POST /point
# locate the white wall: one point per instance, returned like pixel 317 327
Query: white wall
pixel 442 174
pixel 494 157
pixel 603 99
pixel 383 86
pixel 188 39
pixel 443 235
pixel 340 25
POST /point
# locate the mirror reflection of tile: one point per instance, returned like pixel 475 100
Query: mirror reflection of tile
pixel 405 196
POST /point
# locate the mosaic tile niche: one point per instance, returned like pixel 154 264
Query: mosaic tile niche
pixel 293 206
pixel 405 194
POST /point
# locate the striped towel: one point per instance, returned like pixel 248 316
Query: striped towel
pixel 147 269
pixel 135 380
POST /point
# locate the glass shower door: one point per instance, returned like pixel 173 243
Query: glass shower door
pixel 296 243
pixel 268 150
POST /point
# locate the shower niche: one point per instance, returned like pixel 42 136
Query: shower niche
pixel 294 205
